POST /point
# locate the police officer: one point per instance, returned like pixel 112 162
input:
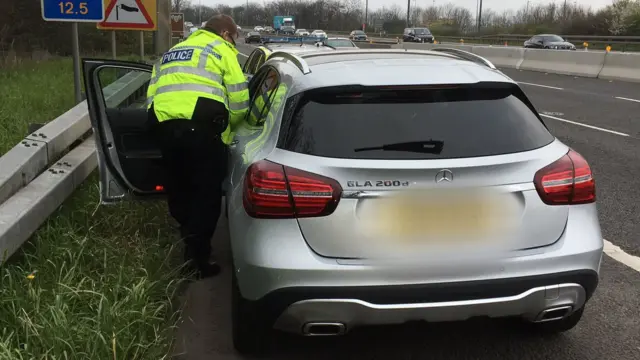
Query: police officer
pixel 196 98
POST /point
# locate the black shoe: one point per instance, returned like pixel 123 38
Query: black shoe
pixel 209 269
pixel 202 270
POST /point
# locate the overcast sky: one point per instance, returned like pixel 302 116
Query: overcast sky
pixel 497 5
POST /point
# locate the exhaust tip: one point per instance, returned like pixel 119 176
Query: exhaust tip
pixel 554 313
pixel 323 329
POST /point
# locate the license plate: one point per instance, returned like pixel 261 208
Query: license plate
pixel 433 217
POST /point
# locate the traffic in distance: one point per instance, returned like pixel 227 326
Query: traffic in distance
pixel 346 209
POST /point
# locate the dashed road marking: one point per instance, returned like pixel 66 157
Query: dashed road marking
pixel 627 99
pixel 544 86
pixel 585 125
pixel 616 253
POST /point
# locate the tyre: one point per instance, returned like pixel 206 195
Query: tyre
pixel 557 326
pixel 251 332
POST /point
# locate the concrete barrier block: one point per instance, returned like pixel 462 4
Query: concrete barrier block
pixel 501 56
pixel 20 165
pixel 621 66
pixel 23 213
pixel 565 62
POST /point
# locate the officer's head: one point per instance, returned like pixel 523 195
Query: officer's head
pixel 224 26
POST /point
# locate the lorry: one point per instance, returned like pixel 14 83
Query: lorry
pixel 284 24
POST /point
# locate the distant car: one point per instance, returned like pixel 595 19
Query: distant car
pixel 548 41
pixel 320 34
pixel 340 43
pixel 253 37
pixel 269 30
pixel 358 35
pixel 258 28
pixel 418 34
pixel 302 32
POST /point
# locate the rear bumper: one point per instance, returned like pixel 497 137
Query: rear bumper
pixel 291 309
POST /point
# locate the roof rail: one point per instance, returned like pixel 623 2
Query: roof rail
pixel 296 60
pixel 466 56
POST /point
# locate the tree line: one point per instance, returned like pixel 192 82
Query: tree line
pixel 622 17
pixel 24 33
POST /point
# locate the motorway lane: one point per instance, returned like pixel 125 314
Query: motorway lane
pixel 610 328
pixel 613 158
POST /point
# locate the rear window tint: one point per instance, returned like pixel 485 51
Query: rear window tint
pixel 479 120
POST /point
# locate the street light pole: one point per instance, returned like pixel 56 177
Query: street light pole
pixel 480 16
pixel 408 11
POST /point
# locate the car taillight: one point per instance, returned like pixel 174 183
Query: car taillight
pixel 275 191
pixel 567 181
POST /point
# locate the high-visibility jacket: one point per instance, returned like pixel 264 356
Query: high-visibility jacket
pixel 204 65
pixel 258 131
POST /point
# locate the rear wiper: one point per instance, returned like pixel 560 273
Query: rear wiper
pixel 426 146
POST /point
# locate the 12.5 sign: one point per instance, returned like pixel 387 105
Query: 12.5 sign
pixel 73 10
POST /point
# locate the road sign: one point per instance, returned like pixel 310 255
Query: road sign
pixel 129 15
pixel 177 24
pixel 73 10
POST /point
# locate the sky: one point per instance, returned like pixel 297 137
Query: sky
pixel 497 5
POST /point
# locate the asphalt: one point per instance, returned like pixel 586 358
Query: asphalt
pixel 610 327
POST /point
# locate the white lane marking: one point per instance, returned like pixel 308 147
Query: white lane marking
pixel 619 255
pixel 624 98
pixel 241 54
pixel 585 125
pixel 544 86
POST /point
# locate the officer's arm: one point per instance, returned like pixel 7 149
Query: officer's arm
pixel 151 89
pixel 236 85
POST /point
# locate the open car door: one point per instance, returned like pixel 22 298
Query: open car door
pixel 129 160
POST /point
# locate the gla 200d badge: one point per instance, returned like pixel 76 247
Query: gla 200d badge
pixel 377 183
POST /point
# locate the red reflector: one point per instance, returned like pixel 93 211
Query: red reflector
pixel 159 188
pixel 567 181
pixel 275 191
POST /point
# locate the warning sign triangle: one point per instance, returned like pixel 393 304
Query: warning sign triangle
pixel 127 15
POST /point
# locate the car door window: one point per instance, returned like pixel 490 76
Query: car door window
pixel 255 60
pixel 264 95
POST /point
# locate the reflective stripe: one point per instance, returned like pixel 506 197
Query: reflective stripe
pixel 156 71
pixel 191 87
pixel 188 47
pixel 239 105
pixel 204 55
pixel 192 71
pixel 237 87
pixel 149 101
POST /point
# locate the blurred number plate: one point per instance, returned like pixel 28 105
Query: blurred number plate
pixel 436 217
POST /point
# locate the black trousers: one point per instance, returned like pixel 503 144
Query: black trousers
pixel 195 160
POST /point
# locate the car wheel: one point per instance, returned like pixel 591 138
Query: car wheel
pixel 250 332
pixel 556 326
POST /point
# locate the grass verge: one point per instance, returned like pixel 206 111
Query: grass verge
pixel 94 282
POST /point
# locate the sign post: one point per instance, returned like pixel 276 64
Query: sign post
pixel 73 11
pixel 177 25
pixel 139 15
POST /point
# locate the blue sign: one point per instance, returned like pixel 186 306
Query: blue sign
pixel 73 10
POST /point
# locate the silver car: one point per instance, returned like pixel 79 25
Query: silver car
pixel 387 186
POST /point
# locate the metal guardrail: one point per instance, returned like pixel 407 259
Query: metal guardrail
pixel 34 180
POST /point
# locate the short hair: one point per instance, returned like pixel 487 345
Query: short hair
pixel 220 23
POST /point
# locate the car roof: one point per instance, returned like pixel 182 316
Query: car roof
pixel 391 66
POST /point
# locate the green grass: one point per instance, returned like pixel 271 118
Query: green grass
pixel 94 282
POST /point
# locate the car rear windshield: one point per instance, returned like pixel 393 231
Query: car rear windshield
pixel 444 122
pixel 422 31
